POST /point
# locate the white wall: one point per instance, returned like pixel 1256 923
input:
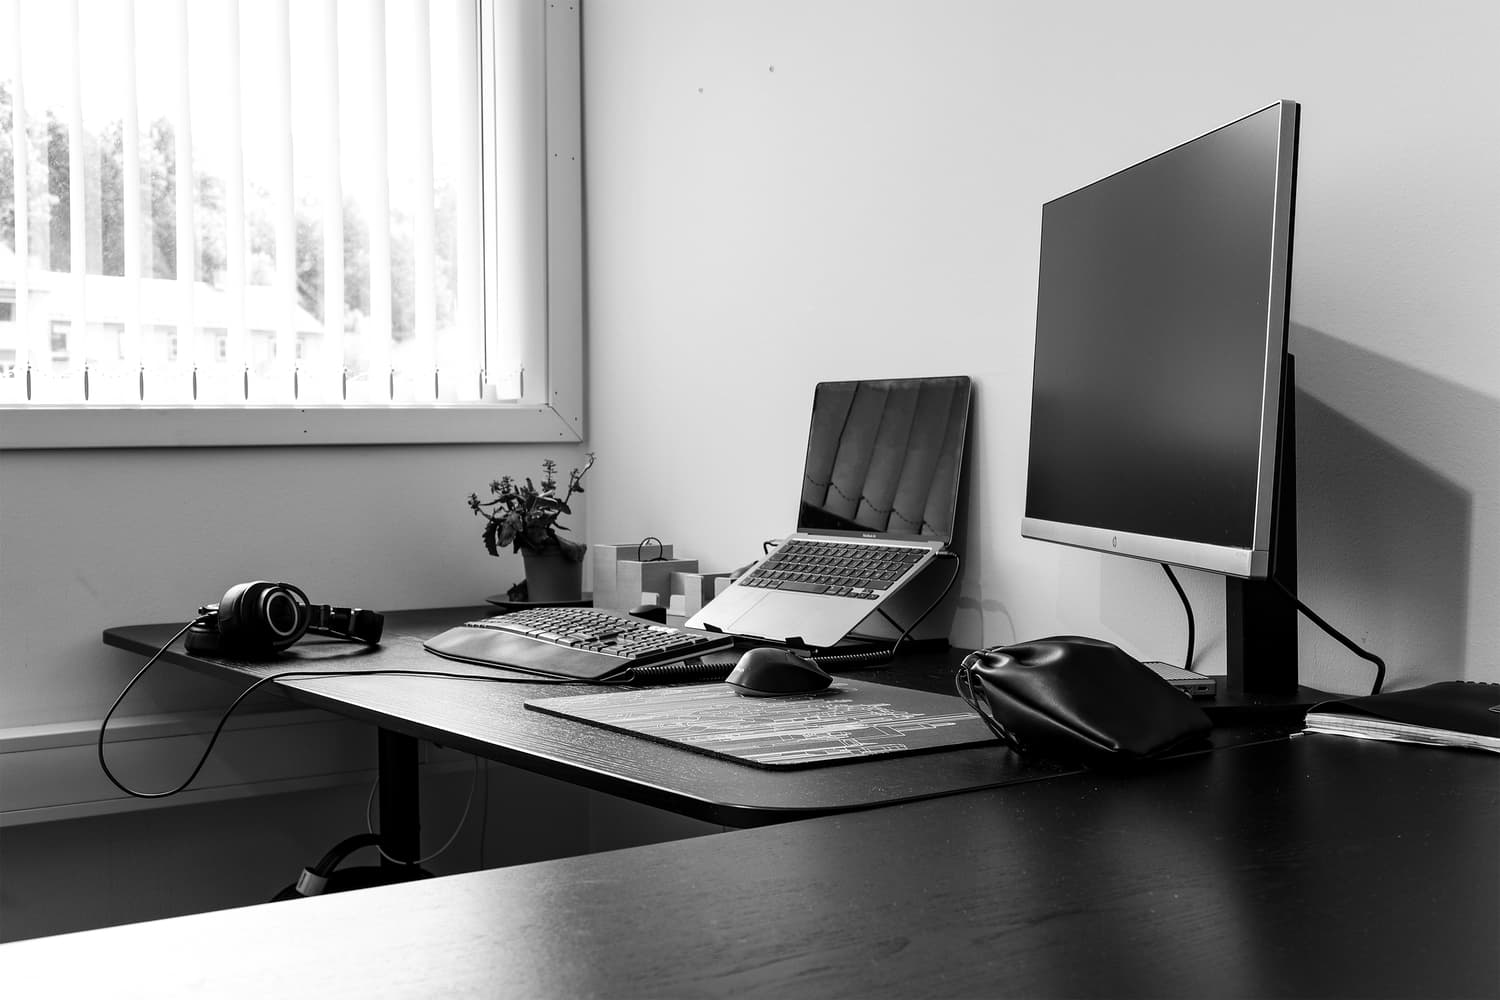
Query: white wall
pixel 782 191
pixel 92 539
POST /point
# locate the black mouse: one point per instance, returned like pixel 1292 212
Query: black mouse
pixel 766 671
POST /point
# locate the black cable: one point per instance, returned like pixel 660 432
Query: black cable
pixel 336 854
pixel 704 667
pixel 1345 640
pixel 880 656
pixel 104 724
pixel 1187 662
pixel 285 674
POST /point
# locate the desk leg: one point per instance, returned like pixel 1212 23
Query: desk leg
pixel 400 798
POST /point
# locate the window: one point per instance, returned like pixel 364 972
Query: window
pixel 287 222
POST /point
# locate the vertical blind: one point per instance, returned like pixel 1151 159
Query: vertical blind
pixel 242 202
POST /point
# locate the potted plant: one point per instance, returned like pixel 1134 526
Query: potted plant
pixel 523 515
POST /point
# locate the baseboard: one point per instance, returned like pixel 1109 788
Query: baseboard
pixel 51 772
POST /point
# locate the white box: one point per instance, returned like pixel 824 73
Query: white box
pixel 690 591
pixel 606 570
pixel 635 577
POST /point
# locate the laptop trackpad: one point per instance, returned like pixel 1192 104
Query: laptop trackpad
pixel 729 607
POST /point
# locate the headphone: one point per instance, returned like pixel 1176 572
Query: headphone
pixel 257 620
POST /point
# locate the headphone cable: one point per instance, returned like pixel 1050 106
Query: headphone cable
pixel 107 715
pixel 254 686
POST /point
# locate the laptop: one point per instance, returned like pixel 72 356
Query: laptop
pixel 879 498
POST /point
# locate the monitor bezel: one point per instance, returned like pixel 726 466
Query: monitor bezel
pixel 1253 562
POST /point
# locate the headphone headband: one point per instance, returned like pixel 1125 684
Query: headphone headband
pixel 353 624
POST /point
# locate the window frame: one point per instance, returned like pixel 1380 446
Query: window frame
pixel 557 413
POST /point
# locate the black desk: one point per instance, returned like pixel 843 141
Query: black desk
pixel 1315 866
pixel 489 719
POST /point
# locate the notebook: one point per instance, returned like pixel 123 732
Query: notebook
pixel 879 500
pixel 1445 714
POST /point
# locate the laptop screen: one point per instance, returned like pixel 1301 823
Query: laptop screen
pixel 883 458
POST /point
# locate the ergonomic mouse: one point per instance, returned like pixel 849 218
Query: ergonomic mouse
pixel 766 672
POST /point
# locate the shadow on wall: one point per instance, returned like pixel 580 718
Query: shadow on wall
pixel 1384 540
pixel 977 621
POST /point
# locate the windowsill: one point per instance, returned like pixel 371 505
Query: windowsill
pixel 163 427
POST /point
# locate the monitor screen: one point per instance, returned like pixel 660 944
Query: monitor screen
pixel 1160 337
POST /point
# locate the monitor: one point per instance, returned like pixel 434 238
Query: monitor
pixel 1160 414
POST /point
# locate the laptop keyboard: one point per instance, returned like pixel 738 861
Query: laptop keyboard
pixel 840 569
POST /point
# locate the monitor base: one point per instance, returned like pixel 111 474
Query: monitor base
pixel 1231 707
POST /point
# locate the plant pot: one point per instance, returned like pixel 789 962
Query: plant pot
pixel 552 577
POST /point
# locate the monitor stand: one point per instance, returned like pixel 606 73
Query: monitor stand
pixel 1260 620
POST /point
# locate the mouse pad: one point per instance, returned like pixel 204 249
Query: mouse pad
pixel 852 720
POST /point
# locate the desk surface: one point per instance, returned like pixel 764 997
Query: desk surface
pixel 1315 866
pixel 489 719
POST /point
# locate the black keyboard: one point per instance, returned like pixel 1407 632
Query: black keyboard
pixel 843 569
pixel 587 644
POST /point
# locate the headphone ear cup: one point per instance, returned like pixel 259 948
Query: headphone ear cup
pixel 259 619
pixel 203 636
